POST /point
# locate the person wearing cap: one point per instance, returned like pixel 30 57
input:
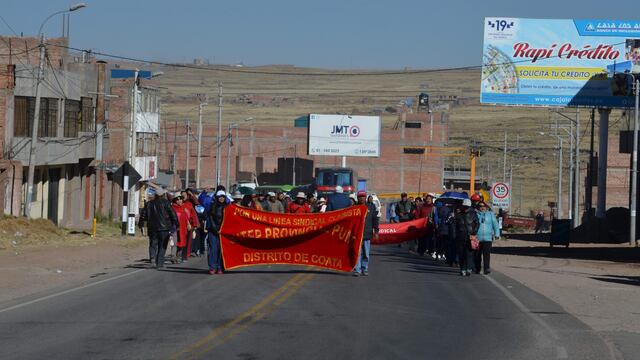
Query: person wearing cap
pixel 300 206
pixel 487 231
pixel 371 228
pixel 322 205
pixel 237 197
pixel 274 204
pixel 338 200
pixel 214 255
pixel 466 225
pixel 161 219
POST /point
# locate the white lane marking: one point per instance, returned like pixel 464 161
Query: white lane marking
pixel 523 307
pixel 68 291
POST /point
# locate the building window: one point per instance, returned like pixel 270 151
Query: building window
pixel 72 118
pixel 21 117
pixel 25 107
pixel 87 123
pixel 146 144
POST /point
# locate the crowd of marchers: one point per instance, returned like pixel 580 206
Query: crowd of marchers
pixel 188 225
pixel 460 231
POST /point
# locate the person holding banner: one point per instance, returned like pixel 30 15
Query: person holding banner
pixel 214 256
pixel 371 229
pixel 300 206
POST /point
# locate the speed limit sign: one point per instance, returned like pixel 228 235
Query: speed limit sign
pixel 501 195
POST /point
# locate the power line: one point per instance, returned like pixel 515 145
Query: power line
pixel 363 73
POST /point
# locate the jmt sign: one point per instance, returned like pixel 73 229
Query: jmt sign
pixel 344 135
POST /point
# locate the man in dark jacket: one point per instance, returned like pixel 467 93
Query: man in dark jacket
pixel 339 200
pixel 466 225
pixel 370 232
pixel 404 208
pixel 161 219
pixel 214 256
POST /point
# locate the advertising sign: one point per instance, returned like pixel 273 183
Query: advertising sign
pixel 344 135
pixel 501 196
pixel 559 62
pixel 330 240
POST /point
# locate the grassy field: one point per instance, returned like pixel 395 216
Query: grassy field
pixel 287 92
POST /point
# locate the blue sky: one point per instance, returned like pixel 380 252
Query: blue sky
pixel 328 33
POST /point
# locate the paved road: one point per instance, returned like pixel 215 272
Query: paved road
pixel 408 308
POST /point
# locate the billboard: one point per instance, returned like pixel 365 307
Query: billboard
pixel 344 135
pixel 559 62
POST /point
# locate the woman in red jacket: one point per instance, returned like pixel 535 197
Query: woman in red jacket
pixel 184 226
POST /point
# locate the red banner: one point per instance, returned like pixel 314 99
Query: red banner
pixel 329 240
pixel 396 233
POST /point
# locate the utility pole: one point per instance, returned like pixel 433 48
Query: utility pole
pixel 186 185
pixel 504 159
pixel 634 171
pixel 229 145
pixel 34 132
pixel 132 151
pixel 295 153
pixel 571 168
pixel 175 147
pixel 219 141
pixel 203 103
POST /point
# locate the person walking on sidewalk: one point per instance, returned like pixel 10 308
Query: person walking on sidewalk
pixel 466 225
pixel 371 229
pixel 161 219
pixel 488 230
pixel 214 256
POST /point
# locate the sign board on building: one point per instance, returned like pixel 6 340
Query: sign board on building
pixel 344 135
pixel 501 196
pixel 559 62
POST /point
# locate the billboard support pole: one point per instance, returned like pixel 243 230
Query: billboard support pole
pixel 559 201
pixel 634 172
pixel 576 175
pixel 603 141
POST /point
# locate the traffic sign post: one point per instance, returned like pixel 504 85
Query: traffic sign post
pixel 126 176
pixel 501 195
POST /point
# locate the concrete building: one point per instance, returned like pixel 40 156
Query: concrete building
pixel 66 131
pixel 84 132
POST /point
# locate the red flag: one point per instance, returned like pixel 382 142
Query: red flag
pixel 329 240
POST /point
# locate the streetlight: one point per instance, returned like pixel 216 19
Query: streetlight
pixel 36 115
pixel 229 144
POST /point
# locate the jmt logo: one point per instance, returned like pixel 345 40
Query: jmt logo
pixel 351 131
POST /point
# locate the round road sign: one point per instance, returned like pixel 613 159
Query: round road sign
pixel 500 190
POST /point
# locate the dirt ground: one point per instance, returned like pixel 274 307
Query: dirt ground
pixel 36 256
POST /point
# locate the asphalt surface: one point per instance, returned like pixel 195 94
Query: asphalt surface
pixel 408 308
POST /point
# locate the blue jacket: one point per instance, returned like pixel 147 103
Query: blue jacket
pixel 488 226
pixel 338 201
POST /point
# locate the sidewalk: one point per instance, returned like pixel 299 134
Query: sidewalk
pixel 597 283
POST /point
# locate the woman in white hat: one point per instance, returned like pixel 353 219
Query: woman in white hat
pixel 322 205
pixel 299 206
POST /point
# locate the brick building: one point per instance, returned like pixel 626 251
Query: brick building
pixel 256 149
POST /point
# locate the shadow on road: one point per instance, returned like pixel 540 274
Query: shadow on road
pixel 628 255
pixel 288 271
pixel 624 280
